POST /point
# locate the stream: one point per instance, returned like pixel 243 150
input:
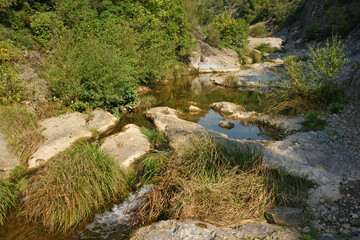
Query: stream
pixel 113 222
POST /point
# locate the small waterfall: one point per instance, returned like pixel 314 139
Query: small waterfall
pixel 115 222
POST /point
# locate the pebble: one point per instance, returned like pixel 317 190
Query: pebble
pixel 355 216
pixel 306 229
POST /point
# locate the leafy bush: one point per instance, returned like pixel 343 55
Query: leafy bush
pixel 233 32
pixel 258 30
pixel 215 183
pixel 44 25
pixel 314 122
pixel 8 199
pixel 265 48
pixel 311 85
pixel 73 185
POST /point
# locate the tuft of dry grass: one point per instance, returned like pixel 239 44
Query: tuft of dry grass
pixel 72 186
pixel 222 185
pixel 231 81
pixel 20 128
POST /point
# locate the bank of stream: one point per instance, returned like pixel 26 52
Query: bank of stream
pixel 178 94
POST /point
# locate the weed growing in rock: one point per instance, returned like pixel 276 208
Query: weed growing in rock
pixel 72 186
pixel 311 85
pixel 314 122
pixel 220 184
pixel 335 107
pixel 21 130
pixel 231 81
pixel 156 138
pixel 8 199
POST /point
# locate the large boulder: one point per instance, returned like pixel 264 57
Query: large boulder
pixel 8 161
pixel 186 230
pixel 62 131
pixel 234 111
pixel 208 59
pixel 128 145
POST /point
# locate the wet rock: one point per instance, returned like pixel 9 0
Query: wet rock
pixel 208 59
pixel 194 109
pixel 274 42
pixel 284 124
pixel 8 161
pixel 188 229
pixel 236 112
pixel 128 145
pixel 285 215
pixel 226 124
pixel 62 131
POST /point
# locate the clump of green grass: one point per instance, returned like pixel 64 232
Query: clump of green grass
pixel 335 107
pixel 231 81
pixel 72 186
pixel 156 138
pixel 220 184
pixel 8 198
pixel 314 122
pixel 20 128
pixel 265 48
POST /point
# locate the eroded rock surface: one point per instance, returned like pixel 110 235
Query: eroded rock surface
pixel 186 230
pixel 8 161
pixel 274 42
pixel 128 145
pixel 62 131
pixel 208 59
pixel 233 111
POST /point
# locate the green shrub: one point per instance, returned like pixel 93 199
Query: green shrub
pixel 335 107
pixel 258 30
pixel 44 25
pixel 314 122
pixel 311 85
pixel 8 199
pixel 12 90
pixel 72 186
pixel 220 184
pixel 265 48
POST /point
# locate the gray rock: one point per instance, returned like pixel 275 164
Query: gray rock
pixel 27 73
pixel 128 145
pixel 8 161
pixel 208 59
pixel 285 125
pixel 193 230
pixel 226 124
pixel 285 215
pixel 227 107
pixel 62 131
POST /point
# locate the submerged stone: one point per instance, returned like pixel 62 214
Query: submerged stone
pixel 226 124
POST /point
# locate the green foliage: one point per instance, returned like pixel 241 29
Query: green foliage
pixel 335 107
pixel 156 138
pixel 233 32
pixel 8 199
pixel 265 48
pixel 314 122
pixel 20 38
pixel 12 90
pixel 44 25
pixel 76 183
pixel 311 85
pixel 258 30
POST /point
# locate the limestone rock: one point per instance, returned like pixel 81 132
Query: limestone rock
pixel 236 112
pixel 226 124
pixel 62 131
pixel 188 229
pixel 208 59
pixel 128 145
pixel 7 160
pixel 285 215
pixel 273 41
pixel 285 125
pixel 194 109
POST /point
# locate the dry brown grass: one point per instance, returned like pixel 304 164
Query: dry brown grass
pixel 20 127
pixel 221 185
pixel 231 81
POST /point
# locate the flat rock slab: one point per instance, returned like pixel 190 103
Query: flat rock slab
pixel 274 42
pixel 233 111
pixel 195 230
pixel 62 131
pixel 8 161
pixel 127 146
